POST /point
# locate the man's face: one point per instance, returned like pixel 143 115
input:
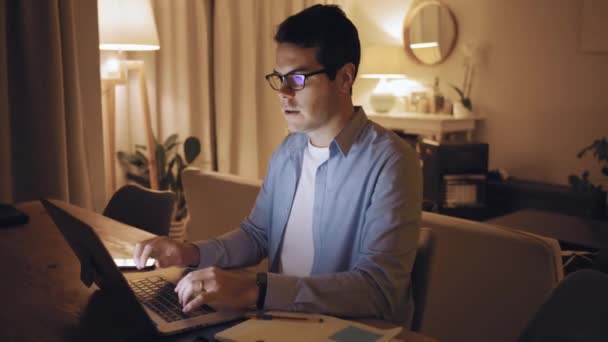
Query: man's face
pixel 307 110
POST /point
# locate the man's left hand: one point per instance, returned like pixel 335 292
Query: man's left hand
pixel 213 285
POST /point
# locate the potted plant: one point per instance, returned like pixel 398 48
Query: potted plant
pixel 464 107
pixel 599 149
pixel 472 55
pixel 169 165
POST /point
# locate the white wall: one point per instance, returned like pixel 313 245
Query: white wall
pixel 541 95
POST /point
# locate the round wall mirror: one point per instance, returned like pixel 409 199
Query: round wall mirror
pixel 430 32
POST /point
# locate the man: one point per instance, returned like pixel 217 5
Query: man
pixel 338 213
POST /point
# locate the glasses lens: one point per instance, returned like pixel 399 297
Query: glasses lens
pixel 295 81
pixel 274 81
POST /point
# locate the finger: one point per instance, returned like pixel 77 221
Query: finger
pixel 199 300
pixel 145 254
pixel 184 284
pixel 184 281
pixel 137 253
pixel 182 292
pixel 189 292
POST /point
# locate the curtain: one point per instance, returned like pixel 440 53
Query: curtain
pixel 249 122
pixel 208 78
pixel 50 107
pixel 183 68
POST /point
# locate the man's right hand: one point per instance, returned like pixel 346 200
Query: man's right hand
pixel 166 251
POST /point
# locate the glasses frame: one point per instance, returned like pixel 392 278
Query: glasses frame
pixel 284 77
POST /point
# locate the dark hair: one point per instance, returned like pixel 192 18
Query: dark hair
pixel 327 28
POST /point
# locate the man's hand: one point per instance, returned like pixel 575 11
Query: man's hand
pixel 214 285
pixel 166 251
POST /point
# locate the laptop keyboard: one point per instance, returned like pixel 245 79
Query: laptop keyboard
pixel 158 295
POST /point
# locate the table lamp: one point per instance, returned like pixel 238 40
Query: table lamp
pixel 127 26
pixel 382 62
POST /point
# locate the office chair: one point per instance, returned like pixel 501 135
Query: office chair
pixel 421 274
pixel 143 208
pixel 575 311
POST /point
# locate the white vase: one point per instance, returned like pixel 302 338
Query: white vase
pixel 460 111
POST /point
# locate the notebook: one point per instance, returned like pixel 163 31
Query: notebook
pixel 152 299
pixel 299 327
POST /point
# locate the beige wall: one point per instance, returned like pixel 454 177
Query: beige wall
pixel 542 97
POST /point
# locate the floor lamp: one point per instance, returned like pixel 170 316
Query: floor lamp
pixel 126 26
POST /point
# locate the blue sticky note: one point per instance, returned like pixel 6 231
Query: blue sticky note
pixel 354 334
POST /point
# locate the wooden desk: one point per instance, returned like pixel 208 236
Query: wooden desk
pixel 570 229
pixel 43 298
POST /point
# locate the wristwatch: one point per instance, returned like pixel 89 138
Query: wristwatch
pixel 261 280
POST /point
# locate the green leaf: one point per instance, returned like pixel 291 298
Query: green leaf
pixel 160 165
pixel 171 140
pixel 123 157
pixel 459 92
pixel 141 157
pixel 192 148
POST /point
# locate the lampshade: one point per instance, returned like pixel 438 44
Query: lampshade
pixel 127 25
pixel 382 61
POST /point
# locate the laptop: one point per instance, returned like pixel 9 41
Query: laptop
pixel 150 298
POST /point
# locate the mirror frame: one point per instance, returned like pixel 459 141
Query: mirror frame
pixel 407 25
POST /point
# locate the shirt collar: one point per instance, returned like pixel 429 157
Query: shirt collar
pixel 346 138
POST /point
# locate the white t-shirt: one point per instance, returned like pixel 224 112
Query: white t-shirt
pixel 297 253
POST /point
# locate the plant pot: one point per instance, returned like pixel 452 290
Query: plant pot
pixel 460 111
pixel 177 231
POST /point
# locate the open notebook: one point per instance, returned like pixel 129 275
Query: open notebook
pixel 295 327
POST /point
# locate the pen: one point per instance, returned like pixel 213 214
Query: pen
pixel 267 317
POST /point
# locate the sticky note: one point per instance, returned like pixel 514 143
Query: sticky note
pixel 354 334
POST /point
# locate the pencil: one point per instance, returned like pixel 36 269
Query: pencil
pixel 267 317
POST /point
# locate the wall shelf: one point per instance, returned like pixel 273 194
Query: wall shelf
pixel 426 124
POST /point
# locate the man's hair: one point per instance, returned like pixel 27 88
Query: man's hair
pixel 326 28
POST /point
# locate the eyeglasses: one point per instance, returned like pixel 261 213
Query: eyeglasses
pixel 294 81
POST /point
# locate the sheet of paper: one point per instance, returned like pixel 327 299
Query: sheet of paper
pixel 330 329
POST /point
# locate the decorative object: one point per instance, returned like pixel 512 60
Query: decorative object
pixel 382 102
pixel 408 92
pixel 437 127
pixel 438 98
pixel 430 32
pixel 168 166
pixel 599 148
pixel 464 107
pixel 126 26
pixel 384 63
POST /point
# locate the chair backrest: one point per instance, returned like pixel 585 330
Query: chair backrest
pixel 487 281
pixel 421 274
pixel 575 311
pixel 217 202
pixel 143 208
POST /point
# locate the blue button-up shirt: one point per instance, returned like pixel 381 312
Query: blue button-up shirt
pixel 366 216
